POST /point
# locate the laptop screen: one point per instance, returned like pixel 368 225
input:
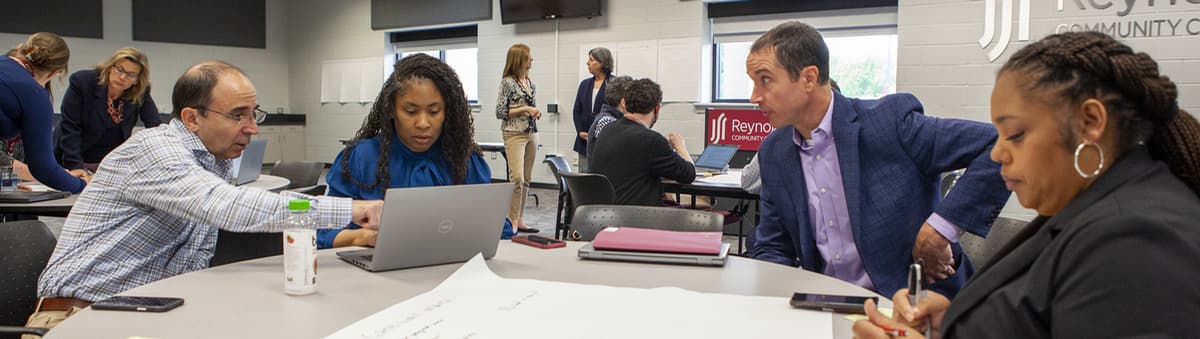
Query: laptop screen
pixel 716 156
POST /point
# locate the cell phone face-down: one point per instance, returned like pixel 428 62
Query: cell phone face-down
pixel 830 303
pixel 539 242
pixel 138 304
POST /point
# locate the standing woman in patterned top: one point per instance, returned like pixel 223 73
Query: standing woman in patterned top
pixel 516 107
pixel 101 107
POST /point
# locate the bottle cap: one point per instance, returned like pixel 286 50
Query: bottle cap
pixel 298 205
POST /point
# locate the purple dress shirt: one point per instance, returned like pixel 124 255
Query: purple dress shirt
pixel 827 209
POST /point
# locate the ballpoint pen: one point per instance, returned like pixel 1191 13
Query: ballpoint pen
pixel 895 332
pixel 914 288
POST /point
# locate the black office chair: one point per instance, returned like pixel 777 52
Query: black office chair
pixel 590 219
pixel 302 174
pixel 558 165
pixel 585 189
pixel 235 246
pixel 25 249
pixel 948 181
pixel 981 250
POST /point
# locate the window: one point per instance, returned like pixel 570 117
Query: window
pixel 864 66
pixel 456 46
pixel 464 61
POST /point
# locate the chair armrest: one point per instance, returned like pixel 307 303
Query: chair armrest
pixel 38 331
pixel 309 190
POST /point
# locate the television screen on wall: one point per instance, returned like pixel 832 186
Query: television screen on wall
pixel 514 11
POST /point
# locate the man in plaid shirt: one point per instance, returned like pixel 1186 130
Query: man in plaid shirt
pixel 153 209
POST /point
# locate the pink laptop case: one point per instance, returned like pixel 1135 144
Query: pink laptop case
pixel 652 240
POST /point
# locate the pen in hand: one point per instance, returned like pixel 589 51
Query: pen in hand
pixel 914 288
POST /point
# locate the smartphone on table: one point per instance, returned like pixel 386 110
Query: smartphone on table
pixel 138 304
pixel 830 303
pixel 539 241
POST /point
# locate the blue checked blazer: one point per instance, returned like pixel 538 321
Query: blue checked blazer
pixel 891 156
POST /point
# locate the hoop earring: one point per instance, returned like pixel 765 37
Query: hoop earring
pixel 1098 168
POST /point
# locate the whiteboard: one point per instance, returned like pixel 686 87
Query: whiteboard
pixel 679 69
pixel 351 80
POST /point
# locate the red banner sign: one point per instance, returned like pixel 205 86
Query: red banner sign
pixel 743 127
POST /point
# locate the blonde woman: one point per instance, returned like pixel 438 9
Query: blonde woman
pixel 101 107
pixel 516 107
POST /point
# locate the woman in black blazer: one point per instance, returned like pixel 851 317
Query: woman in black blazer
pixel 102 106
pixel 589 98
pixel 1092 138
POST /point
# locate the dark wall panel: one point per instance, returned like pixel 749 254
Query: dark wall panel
pixel 388 14
pixel 755 7
pixel 75 18
pixel 237 23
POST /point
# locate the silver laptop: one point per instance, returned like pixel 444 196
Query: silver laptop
pixel 247 167
pixel 715 158
pixel 589 252
pixel 425 226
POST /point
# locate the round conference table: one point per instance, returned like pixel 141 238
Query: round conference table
pixel 246 299
pixel 61 207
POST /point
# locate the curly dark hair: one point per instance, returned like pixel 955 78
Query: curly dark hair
pixel 458 130
pixel 1069 68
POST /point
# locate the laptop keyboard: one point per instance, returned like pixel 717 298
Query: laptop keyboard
pixel 368 257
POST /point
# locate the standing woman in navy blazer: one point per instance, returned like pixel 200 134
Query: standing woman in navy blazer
pixel 101 107
pixel 25 107
pixel 589 98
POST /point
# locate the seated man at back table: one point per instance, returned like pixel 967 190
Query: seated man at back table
pixel 634 157
pixel 153 209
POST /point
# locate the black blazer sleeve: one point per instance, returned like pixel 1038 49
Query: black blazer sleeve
pixel 667 164
pixel 74 108
pixel 149 111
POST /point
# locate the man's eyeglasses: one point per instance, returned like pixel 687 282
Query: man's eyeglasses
pixel 258 115
pixel 121 70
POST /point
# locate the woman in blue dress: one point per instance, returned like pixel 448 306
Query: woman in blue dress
pixel 422 122
pixel 26 110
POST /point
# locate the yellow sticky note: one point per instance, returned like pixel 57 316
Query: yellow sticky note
pixel 857 317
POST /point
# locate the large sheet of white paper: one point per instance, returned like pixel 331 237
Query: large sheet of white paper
pixel 731 178
pixel 475 303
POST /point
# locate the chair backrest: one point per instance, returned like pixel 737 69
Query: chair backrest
pixel 234 246
pixel 590 219
pixel 300 173
pixel 981 250
pixel 589 188
pixel 25 249
pixel 558 166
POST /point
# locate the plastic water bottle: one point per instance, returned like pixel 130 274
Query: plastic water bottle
pixel 299 250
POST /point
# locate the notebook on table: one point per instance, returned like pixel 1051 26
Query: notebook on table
pixel 30 197
pixel 425 226
pixel 657 246
pixel 715 158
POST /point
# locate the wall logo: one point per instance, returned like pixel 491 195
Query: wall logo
pixel 445 226
pixel 1006 25
pixel 718 129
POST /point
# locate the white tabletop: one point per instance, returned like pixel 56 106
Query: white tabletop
pixel 269 182
pixel 246 299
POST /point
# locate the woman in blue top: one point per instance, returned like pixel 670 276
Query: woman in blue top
pixel 25 108
pixel 422 106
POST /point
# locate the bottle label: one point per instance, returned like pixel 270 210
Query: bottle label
pixel 300 261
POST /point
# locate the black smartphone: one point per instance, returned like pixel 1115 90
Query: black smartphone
pixel 539 242
pixel 138 304
pixel 830 303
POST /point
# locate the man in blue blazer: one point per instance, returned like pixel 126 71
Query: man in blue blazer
pixel 850 186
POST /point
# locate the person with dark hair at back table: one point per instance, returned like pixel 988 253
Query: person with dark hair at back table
pixel 634 157
pixel 158 200
pixel 26 110
pixel 610 111
pixel 1092 138
pixel 101 107
pixel 422 122
pixel 850 186
pixel 589 99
